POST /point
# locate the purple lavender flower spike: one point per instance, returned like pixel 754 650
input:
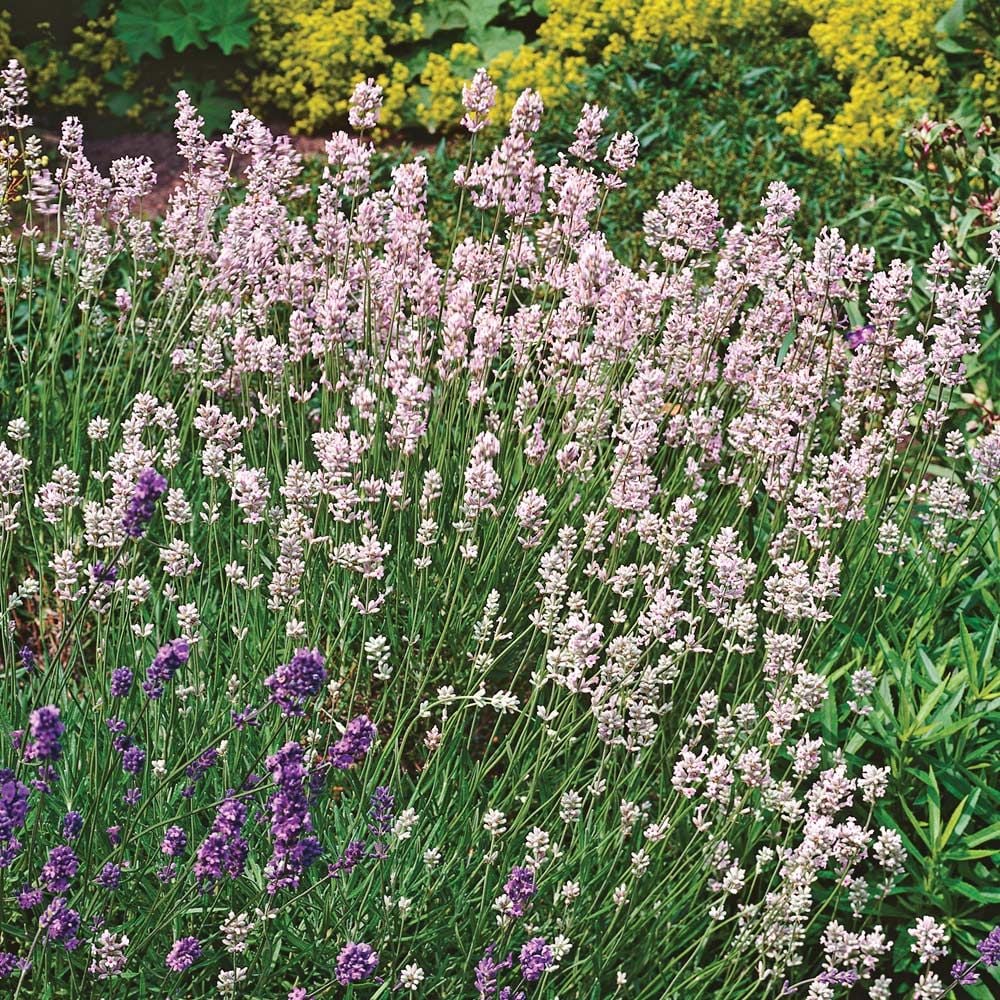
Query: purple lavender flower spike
pixel 355 963
pixel 121 682
pixel 536 956
pixel 520 887
pixel 184 953
pixel 150 487
pixel 293 683
pixel 168 660
pixel 13 812
pixel 45 729
pixel 989 948
pixel 59 870
pixel 487 971
pixel 354 744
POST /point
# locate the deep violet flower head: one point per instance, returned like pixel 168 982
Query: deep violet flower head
pixel 100 573
pixel 381 812
pixel 224 851
pixel 10 963
pixel 121 682
pixel 293 683
pixel 133 760
pixel 356 962
pixel 989 948
pixel 170 657
pixel 45 728
pixel 536 956
pixel 150 487
pixel 487 971
pixel 174 841
pixel 858 336
pixel 295 849
pixel 30 898
pixel 110 876
pixel 72 825
pixel 353 855
pixel 198 767
pixel 59 869
pixel 520 887
pixel 60 923
pixel 964 974
pixel 354 744
pixel 184 953
pixel 27 657
pixel 13 804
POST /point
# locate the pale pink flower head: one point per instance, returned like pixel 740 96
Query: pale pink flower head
pixel 623 152
pixel 13 96
pixel 588 132
pixel 365 105
pixel 478 98
pixel 527 113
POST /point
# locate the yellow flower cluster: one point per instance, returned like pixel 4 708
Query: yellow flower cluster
pixel 8 50
pixel 93 51
pixel 683 21
pixel 604 27
pixel 71 78
pixel 550 73
pixel 575 33
pixel 310 53
pixel 885 50
pixel 986 84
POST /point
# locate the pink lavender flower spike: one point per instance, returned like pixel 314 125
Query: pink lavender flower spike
pixel 183 954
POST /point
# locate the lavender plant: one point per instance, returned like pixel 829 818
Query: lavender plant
pixel 471 626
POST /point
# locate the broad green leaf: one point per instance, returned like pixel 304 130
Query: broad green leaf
pixel 951 20
pixel 452 16
pixel 950 45
pixel 120 102
pixel 227 23
pixel 180 21
pixel 137 28
pixel 493 41
pixel 481 12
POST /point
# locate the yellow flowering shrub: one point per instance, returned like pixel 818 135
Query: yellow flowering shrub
pixel 68 79
pixel 551 74
pixel 8 50
pixel 439 103
pixel 885 51
pixel 94 50
pixel 604 27
pixel 310 53
pixel 683 21
pixel 589 28
pixel 986 83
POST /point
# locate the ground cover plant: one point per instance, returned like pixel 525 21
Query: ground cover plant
pixel 485 616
